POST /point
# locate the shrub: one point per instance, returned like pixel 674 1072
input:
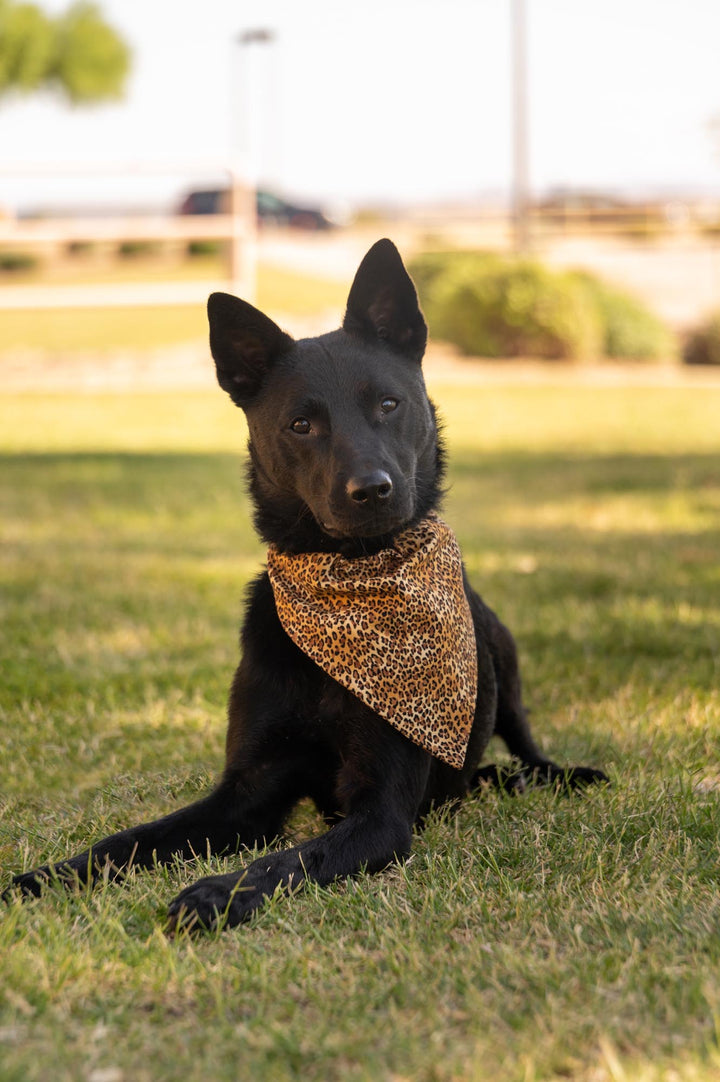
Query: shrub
pixel 703 344
pixel 14 262
pixel 430 268
pixel 492 306
pixel 630 330
pixel 138 249
pixel 199 249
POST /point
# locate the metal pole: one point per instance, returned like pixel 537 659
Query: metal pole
pixel 520 181
pixel 243 169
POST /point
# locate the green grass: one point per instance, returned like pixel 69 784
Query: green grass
pixel 531 938
pixel 280 292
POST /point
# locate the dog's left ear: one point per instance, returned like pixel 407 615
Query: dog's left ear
pixel 383 303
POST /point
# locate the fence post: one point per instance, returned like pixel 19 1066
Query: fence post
pixel 243 237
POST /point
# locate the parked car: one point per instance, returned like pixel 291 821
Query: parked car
pixel 271 209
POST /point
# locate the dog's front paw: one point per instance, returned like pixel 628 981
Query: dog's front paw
pixel 506 779
pixel 27 885
pixel 33 884
pixel 570 778
pixel 217 901
pixel 70 874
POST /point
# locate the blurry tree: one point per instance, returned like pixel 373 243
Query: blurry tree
pixel 76 53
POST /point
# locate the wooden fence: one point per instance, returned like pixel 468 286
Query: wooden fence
pixel 237 229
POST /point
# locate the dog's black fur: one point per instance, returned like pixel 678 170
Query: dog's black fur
pixel 344 453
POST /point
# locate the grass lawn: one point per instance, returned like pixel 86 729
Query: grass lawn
pixel 527 938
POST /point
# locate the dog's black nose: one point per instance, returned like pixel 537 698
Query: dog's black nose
pixel 372 488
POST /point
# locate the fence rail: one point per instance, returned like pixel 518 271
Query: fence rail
pixel 50 231
pixel 237 228
pixel 685 240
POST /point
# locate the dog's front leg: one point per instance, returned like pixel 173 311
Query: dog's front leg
pixel 235 814
pixel 376 831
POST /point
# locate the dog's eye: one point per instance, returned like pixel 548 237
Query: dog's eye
pixel 301 426
pixel 389 404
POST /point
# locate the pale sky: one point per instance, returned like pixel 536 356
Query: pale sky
pixel 392 100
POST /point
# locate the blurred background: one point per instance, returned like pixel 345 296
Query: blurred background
pixel 550 170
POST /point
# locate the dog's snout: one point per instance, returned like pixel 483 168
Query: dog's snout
pixel 372 488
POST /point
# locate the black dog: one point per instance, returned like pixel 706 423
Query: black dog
pixel 344 459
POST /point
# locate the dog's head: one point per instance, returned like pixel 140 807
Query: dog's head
pixel 344 448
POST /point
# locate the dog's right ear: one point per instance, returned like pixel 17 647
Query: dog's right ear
pixel 244 344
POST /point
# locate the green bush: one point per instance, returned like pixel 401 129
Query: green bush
pixel 492 306
pixel 201 249
pixel 630 330
pixel 138 249
pixel 703 344
pixel 429 269
pixel 14 262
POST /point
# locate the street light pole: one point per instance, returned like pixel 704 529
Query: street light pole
pixel 243 170
pixel 520 182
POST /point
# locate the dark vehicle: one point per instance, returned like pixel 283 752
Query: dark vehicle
pixel 271 209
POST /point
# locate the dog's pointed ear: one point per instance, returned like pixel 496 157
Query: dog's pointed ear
pixel 244 344
pixel 383 303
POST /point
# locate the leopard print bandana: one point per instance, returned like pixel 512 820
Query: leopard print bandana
pixel 394 629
